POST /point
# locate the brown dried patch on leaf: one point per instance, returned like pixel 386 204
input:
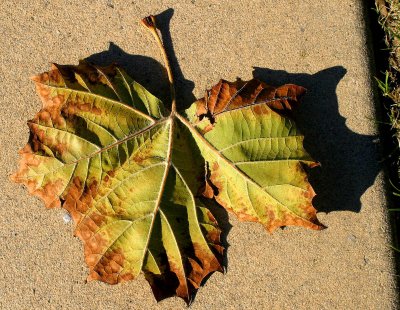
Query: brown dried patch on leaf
pixel 89 72
pixel 111 173
pixel 109 268
pixel 207 129
pixel 27 159
pixel 79 198
pixel 48 192
pixel 207 191
pixel 52 77
pixel 40 141
pixel 203 262
pixel 292 220
pixel 105 264
pixel 74 107
pixel 227 96
pixel 85 77
pixel 51 107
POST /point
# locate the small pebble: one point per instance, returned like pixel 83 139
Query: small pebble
pixel 67 218
pixel 110 4
pixel 352 238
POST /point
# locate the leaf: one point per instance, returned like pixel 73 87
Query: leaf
pixel 255 153
pixel 137 180
pixel 129 181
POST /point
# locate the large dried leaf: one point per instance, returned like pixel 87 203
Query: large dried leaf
pixel 130 191
pixel 103 148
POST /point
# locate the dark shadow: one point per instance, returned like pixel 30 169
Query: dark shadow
pixel 221 215
pixel 145 70
pixel 349 161
pixel 183 87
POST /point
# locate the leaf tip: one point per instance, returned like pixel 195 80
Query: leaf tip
pixel 35 78
pixel 93 276
pixel 319 225
pixel 315 164
pixel 14 177
pixel 315 224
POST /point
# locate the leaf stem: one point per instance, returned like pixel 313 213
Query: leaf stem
pixel 150 23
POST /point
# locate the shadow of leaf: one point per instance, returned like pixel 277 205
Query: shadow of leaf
pixel 349 161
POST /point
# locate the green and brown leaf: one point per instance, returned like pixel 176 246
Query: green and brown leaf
pixel 136 179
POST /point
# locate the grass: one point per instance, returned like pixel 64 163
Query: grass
pixel 389 84
pixel 384 85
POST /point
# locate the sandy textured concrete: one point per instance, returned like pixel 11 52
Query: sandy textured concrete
pixel 320 46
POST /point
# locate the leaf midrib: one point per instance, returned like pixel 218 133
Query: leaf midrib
pixel 253 104
pixel 257 139
pixel 170 119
